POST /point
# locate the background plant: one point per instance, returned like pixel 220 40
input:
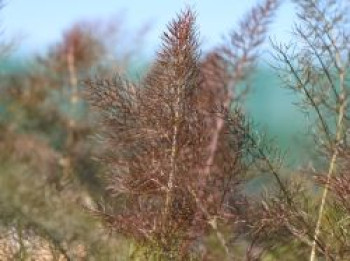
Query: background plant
pixel 47 174
pixel 316 69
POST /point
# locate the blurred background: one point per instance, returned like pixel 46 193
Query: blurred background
pixel 38 25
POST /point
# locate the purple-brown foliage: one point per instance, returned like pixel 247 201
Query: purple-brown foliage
pixel 174 146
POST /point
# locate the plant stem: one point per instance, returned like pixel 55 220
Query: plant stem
pixel 174 145
pixel 332 165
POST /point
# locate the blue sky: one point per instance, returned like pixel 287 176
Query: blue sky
pixel 39 23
